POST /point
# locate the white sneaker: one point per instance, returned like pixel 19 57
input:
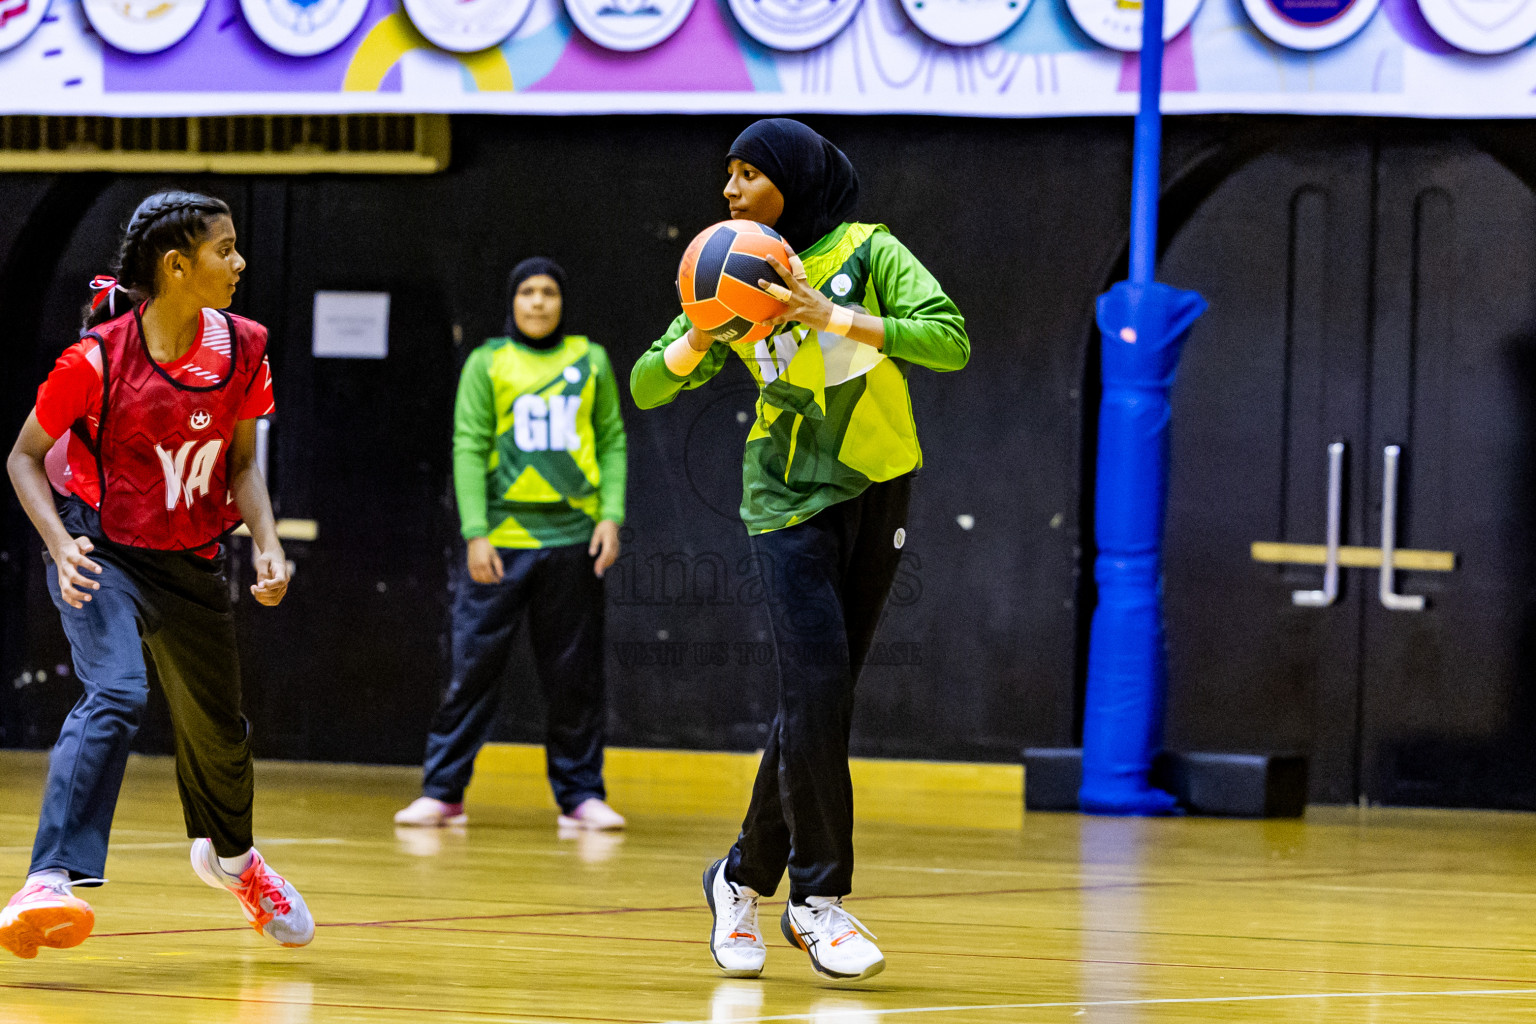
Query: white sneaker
pixel 834 939
pixel 735 941
pixel 592 814
pixel 429 813
pixel 270 902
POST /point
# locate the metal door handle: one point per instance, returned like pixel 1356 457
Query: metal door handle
pixel 1389 598
pixel 1330 592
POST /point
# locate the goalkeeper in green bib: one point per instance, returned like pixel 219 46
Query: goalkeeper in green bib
pixel 825 485
pixel 539 470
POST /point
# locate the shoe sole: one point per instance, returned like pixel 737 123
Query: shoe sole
pixel 457 819
pixel 567 822
pixel 794 940
pixel 709 897
pixel 50 927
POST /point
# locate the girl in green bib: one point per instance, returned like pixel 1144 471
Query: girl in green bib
pixel 825 485
pixel 539 470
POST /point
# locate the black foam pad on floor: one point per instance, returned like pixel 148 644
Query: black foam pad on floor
pixel 1215 784
pixel 1234 785
pixel 1052 776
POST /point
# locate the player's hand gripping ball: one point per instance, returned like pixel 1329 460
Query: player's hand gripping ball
pixel 717 280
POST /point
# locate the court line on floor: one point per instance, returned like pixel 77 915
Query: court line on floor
pixel 600 911
pixel 592 912
pixel 526 1018
pixel 184 844
pixel 1293 939
pixel 863 1013
pixel 1087 961
pixel 442 925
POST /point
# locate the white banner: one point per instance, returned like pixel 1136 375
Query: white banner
pixel 881 61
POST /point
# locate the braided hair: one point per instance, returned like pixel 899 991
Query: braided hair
pixel 162 222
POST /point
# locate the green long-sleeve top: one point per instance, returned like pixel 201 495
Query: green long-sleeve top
pixel 539 451
pixel 833 416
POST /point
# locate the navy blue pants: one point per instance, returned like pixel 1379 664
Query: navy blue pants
pixel 564 605
pixel 827 580
pixel 175 604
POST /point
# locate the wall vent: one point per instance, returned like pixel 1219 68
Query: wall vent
pixel 257 144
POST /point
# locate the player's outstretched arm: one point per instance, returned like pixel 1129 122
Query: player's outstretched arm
pixel 30 478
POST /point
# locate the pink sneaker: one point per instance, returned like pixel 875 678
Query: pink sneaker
pixel 44 915
pixel 593 815
pixel 425 812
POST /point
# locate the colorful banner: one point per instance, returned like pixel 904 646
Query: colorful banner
pixel 881 61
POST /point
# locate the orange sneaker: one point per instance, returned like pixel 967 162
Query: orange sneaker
pixel 45 915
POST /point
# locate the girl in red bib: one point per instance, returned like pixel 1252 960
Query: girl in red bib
pixel 136 460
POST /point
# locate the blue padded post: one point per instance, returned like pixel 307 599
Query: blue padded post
pixel 1144 326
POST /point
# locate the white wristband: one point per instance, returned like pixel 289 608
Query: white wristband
pixel 841 321
pixel 681 358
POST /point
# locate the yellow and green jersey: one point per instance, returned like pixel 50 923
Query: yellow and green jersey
pixel 833 416
pixel 538 443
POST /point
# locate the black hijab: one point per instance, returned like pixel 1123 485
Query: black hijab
pixel 533 267
pixel 819 183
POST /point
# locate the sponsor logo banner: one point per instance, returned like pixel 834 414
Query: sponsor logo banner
pixel 873 56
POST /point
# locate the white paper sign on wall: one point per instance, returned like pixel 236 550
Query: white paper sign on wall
pixel 794 24
pixel 351 325
pixel 1117 23
pixel 965 22
pixel 143 26
pixel 628 25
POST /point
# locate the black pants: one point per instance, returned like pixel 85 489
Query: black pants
pixel 177 605
pixel 827 581
pixel 564 602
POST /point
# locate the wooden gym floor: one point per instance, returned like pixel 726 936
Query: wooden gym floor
pixel 1351 916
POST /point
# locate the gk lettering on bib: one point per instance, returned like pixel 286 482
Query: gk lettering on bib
pixel 540 425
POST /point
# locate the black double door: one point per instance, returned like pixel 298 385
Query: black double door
pixel 1379 295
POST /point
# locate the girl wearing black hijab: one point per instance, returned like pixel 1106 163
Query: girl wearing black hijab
pixel 825 485
pixel 541 499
